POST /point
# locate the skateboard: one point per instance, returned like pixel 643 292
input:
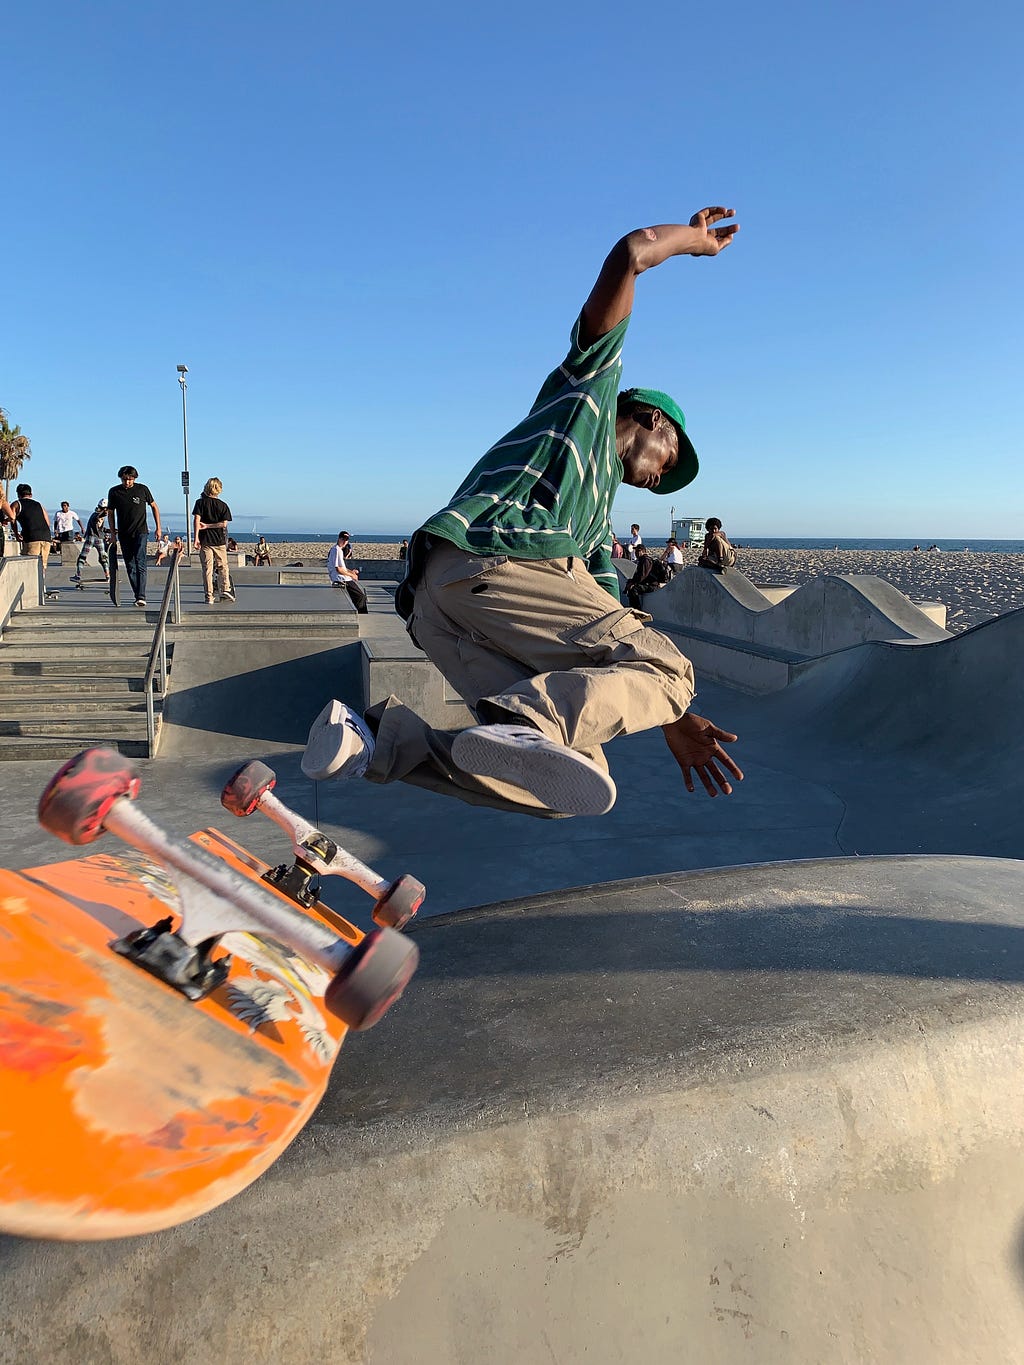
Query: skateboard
pixel 112 555
pixel 250 789
pixel 169 1018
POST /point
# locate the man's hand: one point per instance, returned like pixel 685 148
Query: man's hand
pixel 611 298
pixel 696 746
pixel 713 239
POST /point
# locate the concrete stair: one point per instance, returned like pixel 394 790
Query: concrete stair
pixel 72 679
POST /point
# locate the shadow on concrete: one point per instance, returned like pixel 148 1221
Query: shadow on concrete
pixel 273 704
pixel 797 940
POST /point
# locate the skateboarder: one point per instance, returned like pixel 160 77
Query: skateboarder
pixel 512 593
pixel 93 541
pixel 127 502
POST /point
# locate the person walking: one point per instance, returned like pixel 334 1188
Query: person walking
pixel 127 504
pixel 94 541
pixel 210 518
pixel 512 593
pixel 636 541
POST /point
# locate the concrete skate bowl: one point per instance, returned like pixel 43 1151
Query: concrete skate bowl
pixel 830 613
pixel 921 741
pixel 767 1114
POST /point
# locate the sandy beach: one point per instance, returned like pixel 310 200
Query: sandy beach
pixel 973 587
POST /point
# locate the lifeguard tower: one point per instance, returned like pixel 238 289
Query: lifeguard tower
pixel 688 530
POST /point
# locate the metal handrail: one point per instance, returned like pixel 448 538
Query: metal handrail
pixel 158 649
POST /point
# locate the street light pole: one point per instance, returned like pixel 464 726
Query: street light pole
pixel 182 372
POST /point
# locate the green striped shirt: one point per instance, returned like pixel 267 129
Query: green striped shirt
pixel 545 490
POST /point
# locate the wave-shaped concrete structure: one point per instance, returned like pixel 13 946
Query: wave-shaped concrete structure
pixel 736 633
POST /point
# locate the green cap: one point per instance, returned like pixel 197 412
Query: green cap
pixel 686 467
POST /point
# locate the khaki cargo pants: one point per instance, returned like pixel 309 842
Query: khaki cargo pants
pixel 527 641
pixel 214 558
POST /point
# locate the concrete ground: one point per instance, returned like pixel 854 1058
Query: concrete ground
pixel 761 1114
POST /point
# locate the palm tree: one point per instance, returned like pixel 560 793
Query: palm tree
pixel 15 449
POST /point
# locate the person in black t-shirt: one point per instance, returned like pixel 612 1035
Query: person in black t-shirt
pixel 33 522
pixel 210 518
pixel 127 502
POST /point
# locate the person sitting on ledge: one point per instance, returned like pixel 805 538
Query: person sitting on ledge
pixel 717 554
pixel 344 577
pixel 262 552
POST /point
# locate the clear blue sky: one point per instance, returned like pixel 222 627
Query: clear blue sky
pixel 367 231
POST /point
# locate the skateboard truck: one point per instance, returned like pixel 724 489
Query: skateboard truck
pixel 251 789
pixel 189 968
pixel 96 791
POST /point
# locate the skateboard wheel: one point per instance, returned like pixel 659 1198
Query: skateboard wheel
pixel 372 978
pixel 79 795
pixel 399 902
pixel 244 790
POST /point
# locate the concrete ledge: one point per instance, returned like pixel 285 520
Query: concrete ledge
pixel 21 586
pixel 748 668
pixel 370 571
pixel 393 666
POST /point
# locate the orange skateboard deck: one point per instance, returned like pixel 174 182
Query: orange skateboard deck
pixel 125 1106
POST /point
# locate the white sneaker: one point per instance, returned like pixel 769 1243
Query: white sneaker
pixel 339 745
pixel 560 778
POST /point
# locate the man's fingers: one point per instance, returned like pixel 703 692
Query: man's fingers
pixel 729 762
pixel 724 736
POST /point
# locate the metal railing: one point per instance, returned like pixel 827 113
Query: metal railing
pixel 157 666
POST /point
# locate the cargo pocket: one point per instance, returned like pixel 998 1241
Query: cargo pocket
pixel 610 637
pixel 473 570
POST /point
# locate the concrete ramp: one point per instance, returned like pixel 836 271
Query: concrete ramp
pixel 833 612
pixel 962 694
pixel 766 1114
pixel 921 744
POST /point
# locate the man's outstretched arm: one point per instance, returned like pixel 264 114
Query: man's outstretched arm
pixel 611 299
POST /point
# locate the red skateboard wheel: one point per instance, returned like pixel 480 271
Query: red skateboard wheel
pixel 79 795
pixel 372 978
pixel 244 790
pixel 399 902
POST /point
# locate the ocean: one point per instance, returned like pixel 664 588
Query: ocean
pixel 983 547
